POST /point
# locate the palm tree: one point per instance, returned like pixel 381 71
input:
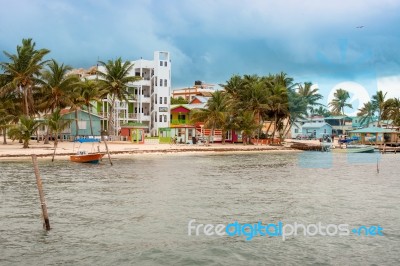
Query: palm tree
pixel 57 85
pixel 322 111
pixel 311 96
pixel 56 88
pixel 392 111
pixel 247 123
pixel 340 101
pixel 378 101
pixel 24 130
pixel 278 105
pixel 115 82
pixel 214 115
pixel 7 106
pixel 56 124
pixel 23 70
pixel 90 92
pixel 297 109
pixel 367 113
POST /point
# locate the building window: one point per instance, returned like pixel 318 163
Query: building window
pixel 165 118
pixel 181 117
pixel 161 63
pixel 296 130
pixel 160 100
pixel 165 100
pixel 160 118
pixel 82 124
pixel 155 117
pixel 155 99
pixel 165 83
pixel 165 63
pixel 325 131
pixel 160 82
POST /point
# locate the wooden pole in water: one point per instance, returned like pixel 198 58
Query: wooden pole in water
pixel 54 153
pixel 108 152
pixel 41 194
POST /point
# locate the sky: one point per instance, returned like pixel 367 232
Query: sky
pixel 349 44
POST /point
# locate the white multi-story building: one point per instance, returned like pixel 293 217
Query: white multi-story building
pixel 148 100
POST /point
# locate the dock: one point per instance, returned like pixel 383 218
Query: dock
pixel 389 147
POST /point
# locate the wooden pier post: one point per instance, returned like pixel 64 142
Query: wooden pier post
pixel 46 223
pixel 108 152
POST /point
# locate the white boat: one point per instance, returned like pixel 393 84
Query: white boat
pixel 353 149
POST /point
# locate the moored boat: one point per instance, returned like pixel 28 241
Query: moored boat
pixel 354 149
pixel 84 157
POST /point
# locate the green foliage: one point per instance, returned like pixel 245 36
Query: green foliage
pixel 179 100
pixel 114 82
pixel 24 130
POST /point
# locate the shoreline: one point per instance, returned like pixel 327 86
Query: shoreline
pixel 14 150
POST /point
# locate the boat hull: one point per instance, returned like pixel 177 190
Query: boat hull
pixel 87 158
pixel 354 150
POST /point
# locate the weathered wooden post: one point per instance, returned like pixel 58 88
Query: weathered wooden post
pixel 41 194
pixel 108 152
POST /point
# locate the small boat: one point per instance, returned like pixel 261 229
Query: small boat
pixel 354 149
pixel 84 157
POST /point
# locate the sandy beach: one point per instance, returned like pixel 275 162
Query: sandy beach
pixel 64 149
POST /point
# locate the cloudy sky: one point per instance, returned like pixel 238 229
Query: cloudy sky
pixel 354 44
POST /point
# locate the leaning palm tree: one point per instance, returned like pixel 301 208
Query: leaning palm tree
pixel 367 113
pixel 23 69
pixel 24 130
pixel 115 81
pixel 310 95
pixel 278 104
pixel 392 111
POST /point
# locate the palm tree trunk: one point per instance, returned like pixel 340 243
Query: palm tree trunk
pixel 269 127
pixel 110 117
pixel 223 136
pixel 90 119
pixel 26 105
pixel 275 126
pixel 4 135
pixel 76 123
pixel 288 129
pixel 26 143
pixel 55 146
pixel 46 138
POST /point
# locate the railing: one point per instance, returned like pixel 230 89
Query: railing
pixel 178 121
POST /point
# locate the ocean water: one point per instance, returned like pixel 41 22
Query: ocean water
pixel 137 211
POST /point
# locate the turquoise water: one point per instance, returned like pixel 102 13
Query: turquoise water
pixel 137 212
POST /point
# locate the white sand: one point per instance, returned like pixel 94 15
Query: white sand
pixel 14 149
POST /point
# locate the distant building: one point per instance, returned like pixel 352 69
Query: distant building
pixel 148 100
pixel 198 89
pixel 84 129
pixel 297 127
pixel 341 124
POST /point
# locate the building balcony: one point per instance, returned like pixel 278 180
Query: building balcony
pixel 179 122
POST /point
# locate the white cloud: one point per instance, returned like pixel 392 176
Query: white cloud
pixel 391 85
